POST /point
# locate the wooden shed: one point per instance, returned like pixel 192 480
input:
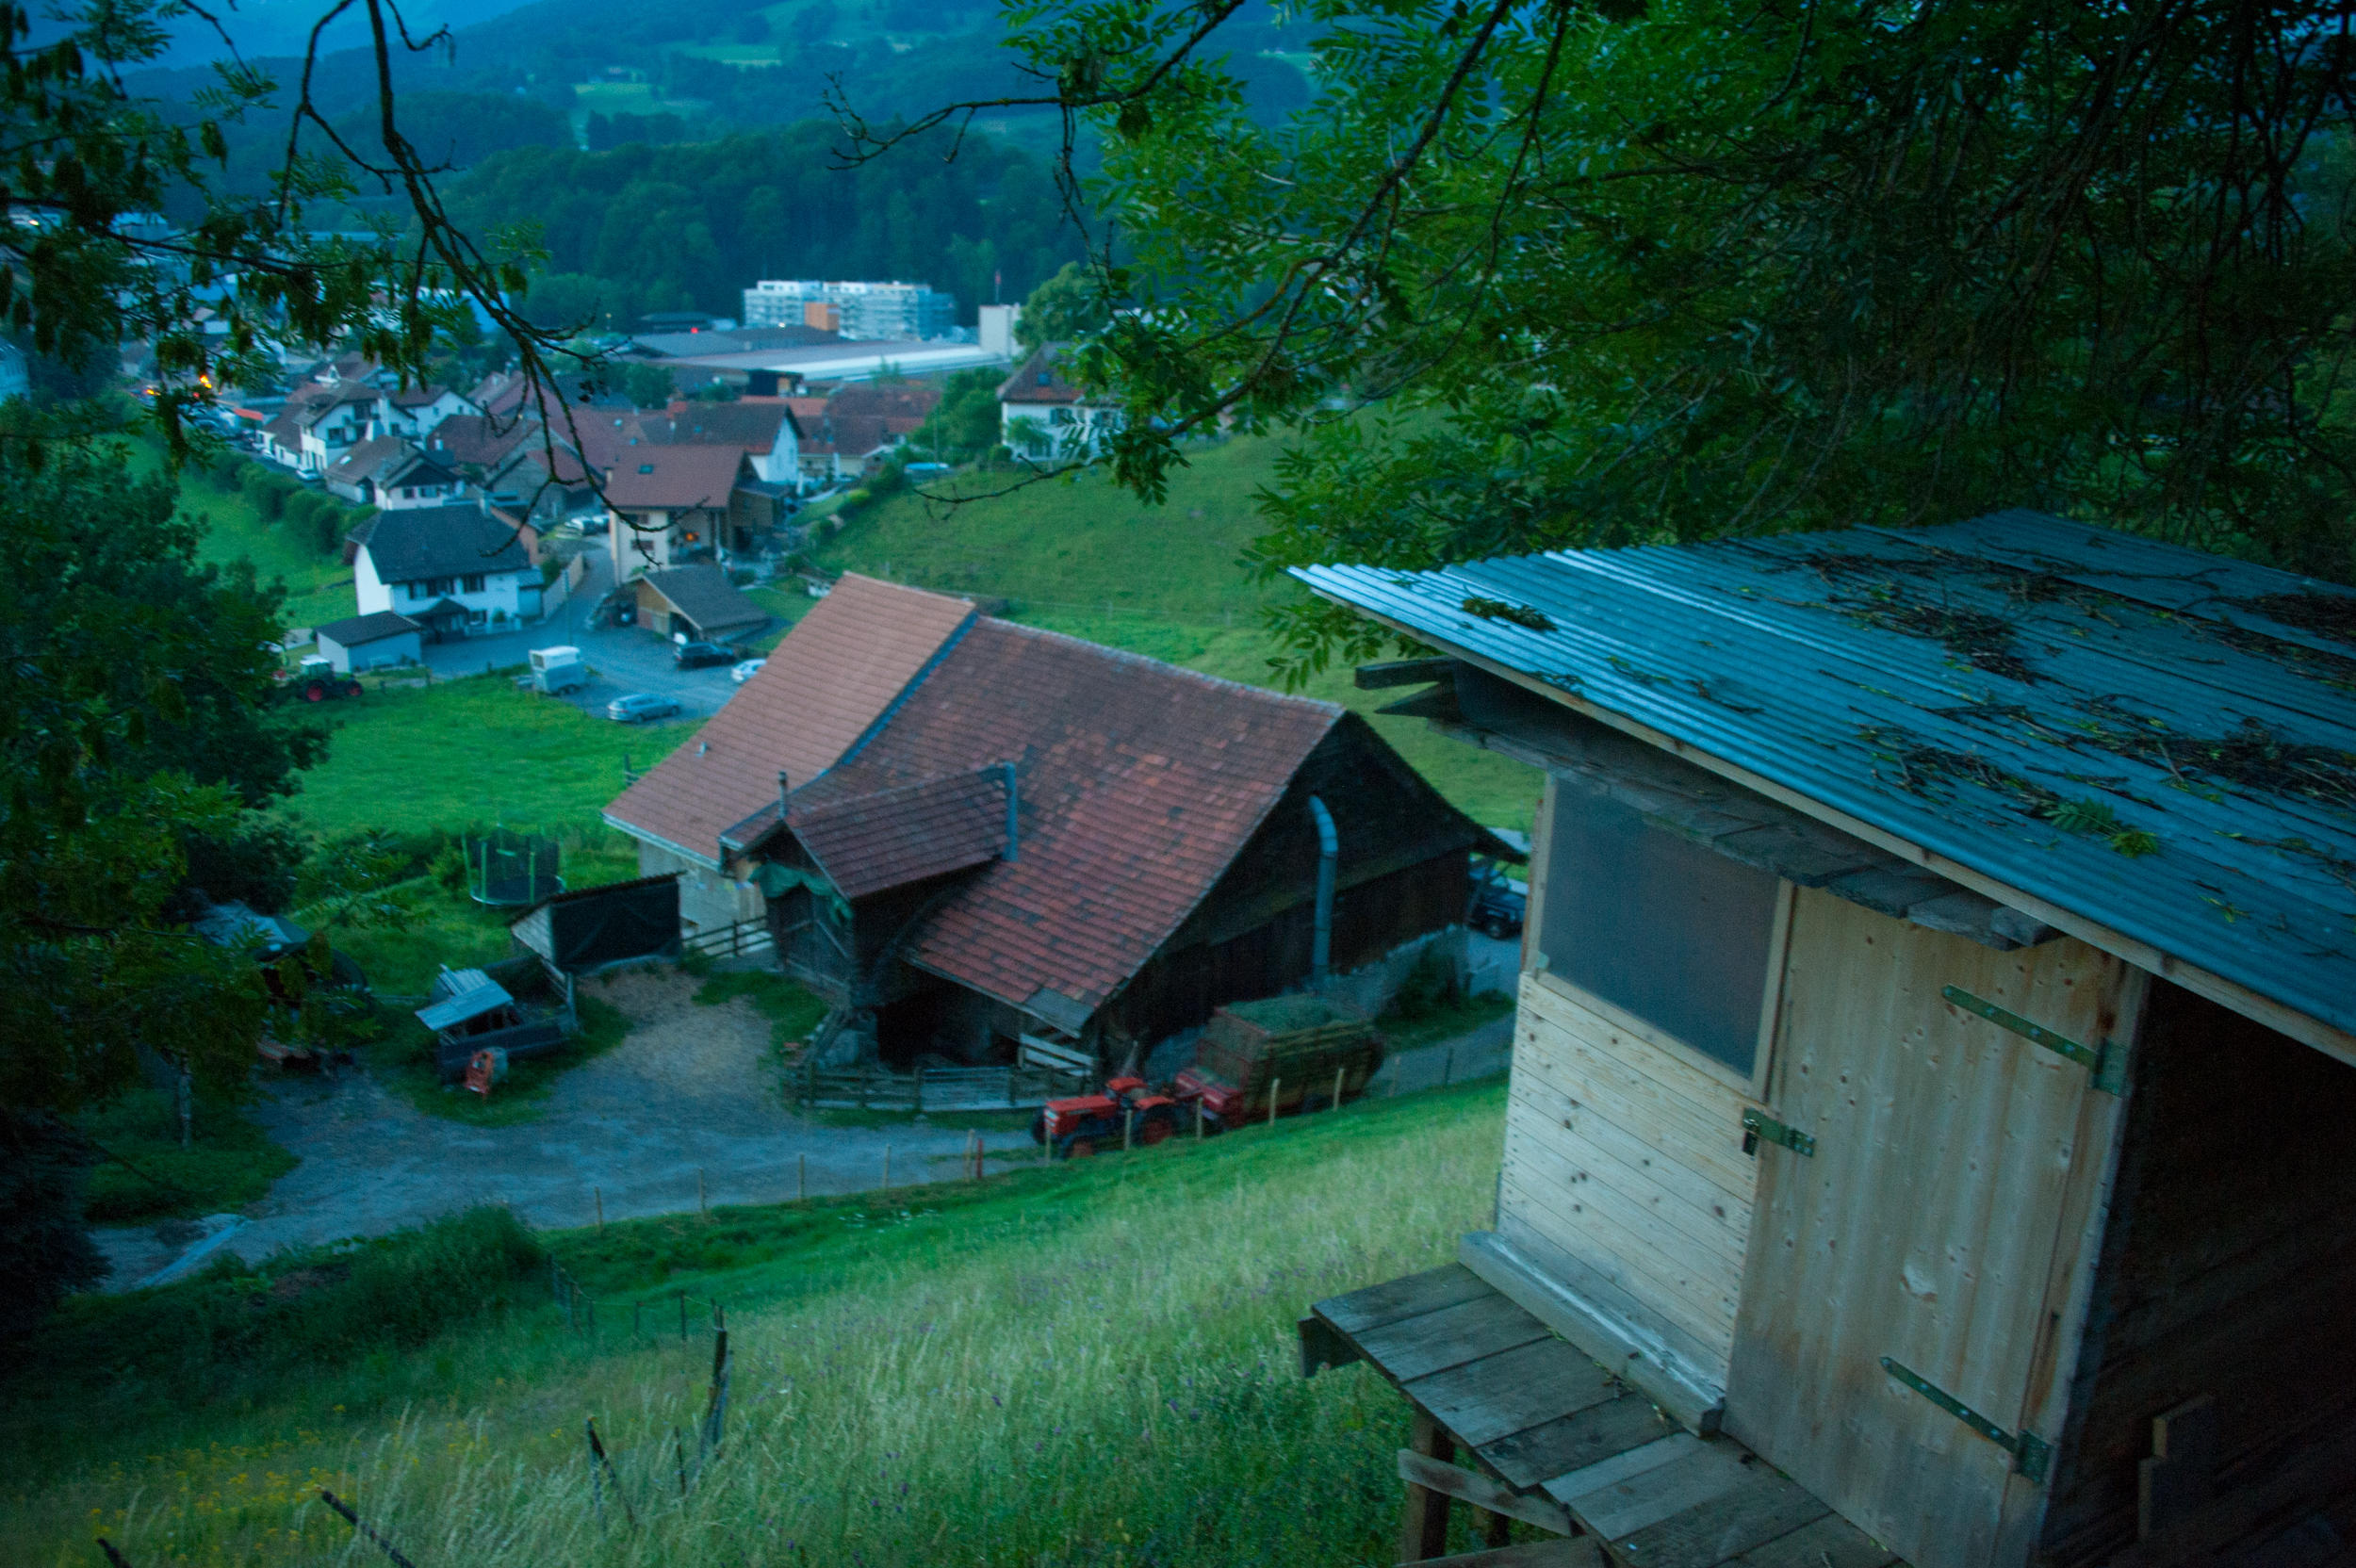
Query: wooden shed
pixel 1934 1064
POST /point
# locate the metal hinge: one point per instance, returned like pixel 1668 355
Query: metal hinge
pixel 2031 1454
pixel 2107 1062
pixel 1757 1126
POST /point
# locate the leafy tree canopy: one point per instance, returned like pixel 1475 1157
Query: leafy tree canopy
pixel 1532 273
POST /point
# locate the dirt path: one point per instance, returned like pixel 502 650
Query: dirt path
pixel 690 1089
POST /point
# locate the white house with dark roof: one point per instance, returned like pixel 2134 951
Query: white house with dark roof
pixel 1044 414
pixel 388 471
pixel 457 571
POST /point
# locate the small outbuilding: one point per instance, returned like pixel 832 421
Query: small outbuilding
pixel 589 928
pixel 697 604
pixel 380 641
pixel 1936 1058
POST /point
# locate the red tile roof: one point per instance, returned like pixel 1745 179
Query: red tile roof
pixel 672 478
pixel 891 838
pixel 1138 784
pixel 829 680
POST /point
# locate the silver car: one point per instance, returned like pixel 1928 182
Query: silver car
pixel 640 706
pixel 746 670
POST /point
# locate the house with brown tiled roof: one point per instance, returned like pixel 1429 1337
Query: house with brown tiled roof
pixel 962 831
pixel 670 506
pixel 1044 414
pixel 857 427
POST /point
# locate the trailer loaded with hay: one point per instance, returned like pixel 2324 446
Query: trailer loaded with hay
pixel 1290 1053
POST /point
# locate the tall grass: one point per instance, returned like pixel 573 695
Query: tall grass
pixel 1086 1364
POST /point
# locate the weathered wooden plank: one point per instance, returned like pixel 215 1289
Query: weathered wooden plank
pixel 1759 1508
pixel 1628 1507
pixel 1583 1131
pixel 1615 1468
pixel 1701 1296
pixel 1417 1347
pixel 1632 1087
pixel 1925 1228
pixel 1570 1552
pixel 1574 1442
pixel 1466 1486
pixel 1831 1541
pixel 1423 1523
pixel 1393 1300
pixel 1483 1400
pixel 1571 1160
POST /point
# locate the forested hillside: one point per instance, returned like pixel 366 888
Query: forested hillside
pixel 690 226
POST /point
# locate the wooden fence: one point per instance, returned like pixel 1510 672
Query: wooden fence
pixel 739 940
pixel 962 1088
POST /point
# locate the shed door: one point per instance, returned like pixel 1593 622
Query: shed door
pixel 1927 1226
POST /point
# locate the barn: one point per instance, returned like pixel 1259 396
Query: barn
pixel 964 832
pixel 1933 1059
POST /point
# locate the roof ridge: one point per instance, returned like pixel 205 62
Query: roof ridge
pixel 1216 682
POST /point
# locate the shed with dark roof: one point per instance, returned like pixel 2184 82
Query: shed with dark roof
pixel 697 603
pixel 1936 1048
pixel 961 831
pixel 371 642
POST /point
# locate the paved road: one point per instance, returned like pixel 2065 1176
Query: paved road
pixel 626 659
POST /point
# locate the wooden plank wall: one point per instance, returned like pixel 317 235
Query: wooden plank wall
pixel 1627 1156
pixel 2228 1267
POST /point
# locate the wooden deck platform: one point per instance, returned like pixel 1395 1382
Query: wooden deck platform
pixel 1560 1443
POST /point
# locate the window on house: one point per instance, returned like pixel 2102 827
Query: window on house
pixel 473 584
pixel 476 617
pixel 1676 934
pixel 438 585
pixel 417 590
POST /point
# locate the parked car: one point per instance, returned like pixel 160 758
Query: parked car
pixel 696 656
pixel 640 706
pixel 1498 902
pixel 746 670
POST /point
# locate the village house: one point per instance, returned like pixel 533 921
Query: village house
pixel 390 472
pixel 383 640
pixel 854 429
pixel 764 428
pixel 670 506
pixel 321 422
pixel 457 571
pixel 1936 1052
pixel 1044 416
pixel 962 831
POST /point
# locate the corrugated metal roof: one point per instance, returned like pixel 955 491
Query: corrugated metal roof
pixel 2154 738
pixel 471 994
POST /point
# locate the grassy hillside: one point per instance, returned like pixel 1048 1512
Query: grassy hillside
pixel 1028 1371
pixel 471 751
pixel 1084 557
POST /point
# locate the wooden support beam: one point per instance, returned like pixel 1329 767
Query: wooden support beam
pixel 1322 1345
pixel 1570 1552
pixel 1423 1527
pixel 2311 1478
pixel 1482 1493
pixel 1403 671
pixel 2179 1478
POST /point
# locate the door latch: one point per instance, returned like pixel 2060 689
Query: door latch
pixel 2031 1454
pixel 1758 1126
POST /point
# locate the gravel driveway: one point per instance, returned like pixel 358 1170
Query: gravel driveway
pixel 692 1088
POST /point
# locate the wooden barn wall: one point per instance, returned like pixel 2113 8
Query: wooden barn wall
pixel 2229 1264
pixel 1625 1173
pixel 1180 986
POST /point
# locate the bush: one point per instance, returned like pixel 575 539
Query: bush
pixel 198 1341
pixel 270 498
pixel 1429 987
pixel 45 1251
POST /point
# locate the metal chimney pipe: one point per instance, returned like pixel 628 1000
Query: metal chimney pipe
pixel 1328 848
pixel 785 789
pixel 1014 833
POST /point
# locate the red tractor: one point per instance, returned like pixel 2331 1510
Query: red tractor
pixel 1075 1128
